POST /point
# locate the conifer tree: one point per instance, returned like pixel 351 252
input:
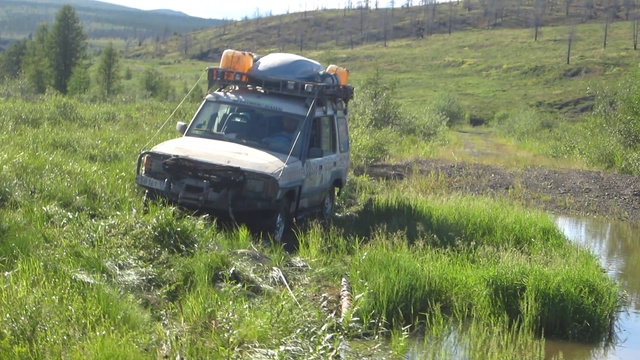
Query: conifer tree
pixel 66 45
pixel 11 60
pixel 109 70
pixel 35 67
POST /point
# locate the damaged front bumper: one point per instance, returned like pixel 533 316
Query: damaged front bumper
pixel 204 186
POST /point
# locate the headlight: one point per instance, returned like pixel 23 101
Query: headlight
pixel 255 185
pixel 146 165
pixel 151 165
pixel 266 187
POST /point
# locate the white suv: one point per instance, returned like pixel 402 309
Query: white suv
pixel 263 150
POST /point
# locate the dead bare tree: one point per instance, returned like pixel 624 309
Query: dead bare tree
pixel 451 7
pixel 432 17
pixel 628 6
pixel 187 42
pixel 607 20
pixel 392 4
pixel 571 38
pixel 538 13
pixel 567 5
pixel 497 9
pixel 467 5
pixel 635 34
pixel 384 27
pixel 224 26
pixel 362 15
pixel 589 9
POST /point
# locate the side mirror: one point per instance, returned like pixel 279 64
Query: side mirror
pixel 181 127
pixel 315 153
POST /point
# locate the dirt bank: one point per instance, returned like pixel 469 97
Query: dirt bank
pixel 567 192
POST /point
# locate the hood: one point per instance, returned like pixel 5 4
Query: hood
pixel 224 153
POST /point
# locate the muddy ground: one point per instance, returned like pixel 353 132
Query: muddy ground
pixel 562 192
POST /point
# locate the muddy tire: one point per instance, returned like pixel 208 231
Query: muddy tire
pixel 149 197
pixel 280 223
pixel 327 208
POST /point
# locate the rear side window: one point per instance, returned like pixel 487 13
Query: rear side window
pixel 323 134
pixel 343 134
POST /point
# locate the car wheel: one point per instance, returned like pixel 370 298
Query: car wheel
pixel 328 205
pixel 281 222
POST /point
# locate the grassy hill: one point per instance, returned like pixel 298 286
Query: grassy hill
pixel 18 18
pixel 486 56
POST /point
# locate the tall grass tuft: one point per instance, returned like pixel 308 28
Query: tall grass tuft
pixel 479 259
pixel 459 220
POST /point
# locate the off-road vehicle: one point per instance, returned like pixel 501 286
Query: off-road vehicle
pixel 269 144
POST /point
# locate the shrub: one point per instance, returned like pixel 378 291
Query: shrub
pixel 155 85
pixel 378 121
pixel 522 124
pixel 448 105
pixel 80 82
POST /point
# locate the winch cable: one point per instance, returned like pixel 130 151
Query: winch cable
pixel 295 141
pixel 174 112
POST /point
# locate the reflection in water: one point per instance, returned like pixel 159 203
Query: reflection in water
pixel 617 245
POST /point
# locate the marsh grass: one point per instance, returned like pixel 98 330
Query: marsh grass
pixel 482 259
pixel 86 272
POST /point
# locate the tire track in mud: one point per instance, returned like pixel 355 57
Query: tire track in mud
pixel 559 191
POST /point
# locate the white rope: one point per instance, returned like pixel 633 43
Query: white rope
pixel 295 141
pixel 174 111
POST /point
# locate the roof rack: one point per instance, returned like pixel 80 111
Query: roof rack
pixel 226 77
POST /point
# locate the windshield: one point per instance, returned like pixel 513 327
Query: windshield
pixel 256 127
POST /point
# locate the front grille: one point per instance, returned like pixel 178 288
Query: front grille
pixel 219 177
pixel 193 189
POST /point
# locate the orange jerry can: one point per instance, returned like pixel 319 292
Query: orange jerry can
pixel 343 73
pixel 240 61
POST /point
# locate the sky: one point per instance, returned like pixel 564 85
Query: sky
pixel 228 9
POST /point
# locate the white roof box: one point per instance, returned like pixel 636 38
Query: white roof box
pixel 287 66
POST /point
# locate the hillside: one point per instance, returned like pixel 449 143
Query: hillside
pixel 18 18
pixel 352 27
pixel 486 53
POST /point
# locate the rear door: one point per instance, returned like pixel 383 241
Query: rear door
pixel 322 160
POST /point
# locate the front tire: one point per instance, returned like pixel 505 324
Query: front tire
pixel 281 222
pixel 149 197
pixel 327 208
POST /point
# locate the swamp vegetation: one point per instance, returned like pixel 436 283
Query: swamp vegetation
pixel 86 273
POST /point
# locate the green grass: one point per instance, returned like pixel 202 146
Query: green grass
pixel 89 274
pixel 481 259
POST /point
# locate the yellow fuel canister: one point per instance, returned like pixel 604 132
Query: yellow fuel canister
pixel 241 61
pixel 343 73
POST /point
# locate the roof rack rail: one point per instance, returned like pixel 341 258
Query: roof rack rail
pixel 226 77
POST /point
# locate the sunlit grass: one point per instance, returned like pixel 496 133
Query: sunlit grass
pixel 484 262
pixel 89 273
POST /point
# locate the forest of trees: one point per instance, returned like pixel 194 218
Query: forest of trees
pixel 19 18
pixel 55 57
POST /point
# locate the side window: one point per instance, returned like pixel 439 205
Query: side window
pixel 323 134
pixel 343 134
